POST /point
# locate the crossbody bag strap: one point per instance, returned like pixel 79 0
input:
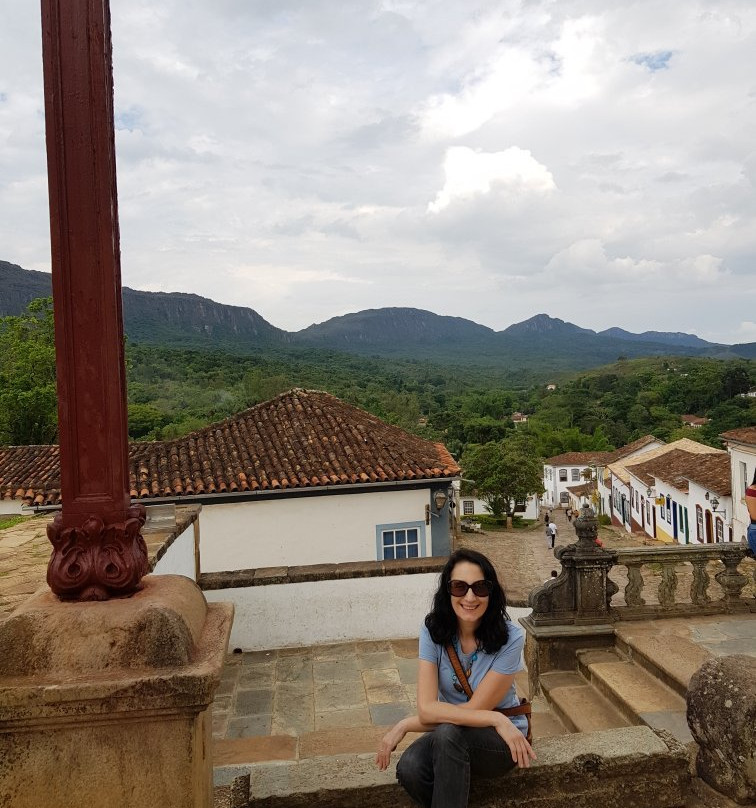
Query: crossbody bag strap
pixel 459 670
pixel 523 708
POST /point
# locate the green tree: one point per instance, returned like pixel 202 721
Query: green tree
pixel 28 399
pixel 504 473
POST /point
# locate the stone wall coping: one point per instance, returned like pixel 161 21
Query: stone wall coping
pixel 580 770
pixel 159 536
pixel 267 576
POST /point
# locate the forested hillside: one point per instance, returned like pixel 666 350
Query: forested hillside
pixel 172 392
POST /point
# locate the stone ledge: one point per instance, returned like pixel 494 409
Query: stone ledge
pixel 267 576
pixel 572 771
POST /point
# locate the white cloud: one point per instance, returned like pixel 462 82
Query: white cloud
pixel 746 331
pixel 469 172
pixel 490 159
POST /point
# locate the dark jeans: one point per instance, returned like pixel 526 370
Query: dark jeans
pixel 435 770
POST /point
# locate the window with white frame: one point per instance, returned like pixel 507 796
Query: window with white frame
pixel 575 475
pixel 743 476
pixel 468 507
pixel 562 475
pixel 720 529
pixel 404 540
pixel 699 523
pixel 564 498
pixel 670 505
pixel 662 509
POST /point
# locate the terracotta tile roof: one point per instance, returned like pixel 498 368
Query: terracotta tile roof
pixel 630 448
pixel 671 462
pixel 299 439
pixel 745 435
pixel 577 458
pixel 694 420
pixel 30 473
pixel 678 467
pixel 600 458
pixel 581 490
pixel 713 471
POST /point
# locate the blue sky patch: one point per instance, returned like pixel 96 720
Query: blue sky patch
pixel 653 61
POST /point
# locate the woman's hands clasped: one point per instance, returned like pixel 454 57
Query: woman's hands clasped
pixel 522 751
pixel 389 742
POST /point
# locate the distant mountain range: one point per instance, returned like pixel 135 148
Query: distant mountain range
pixel 182 320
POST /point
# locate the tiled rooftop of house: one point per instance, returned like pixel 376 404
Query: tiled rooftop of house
pixel 300 439
pixel 600 458
pixel 694 420
pixel 629 448
pixel 619 468
pixel 745 435
pixel 679 466
pixel 576 458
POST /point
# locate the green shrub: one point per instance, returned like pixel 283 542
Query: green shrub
pixel 488 520
pixel 604 519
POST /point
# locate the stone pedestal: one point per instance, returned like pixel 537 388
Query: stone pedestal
pixel 107 704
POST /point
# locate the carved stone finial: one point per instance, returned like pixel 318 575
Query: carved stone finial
pixel 586 527
pixel 97 561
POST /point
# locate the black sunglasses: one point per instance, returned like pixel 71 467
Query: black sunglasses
pixel 480 588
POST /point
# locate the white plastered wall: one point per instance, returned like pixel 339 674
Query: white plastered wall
pixel 179 557
pixel 11 506
pixel 741 455
pixel 293 531
pixel 322 612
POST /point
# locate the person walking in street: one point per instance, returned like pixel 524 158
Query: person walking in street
pixel 553 531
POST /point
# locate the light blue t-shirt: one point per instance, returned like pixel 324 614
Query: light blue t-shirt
pixel 507 660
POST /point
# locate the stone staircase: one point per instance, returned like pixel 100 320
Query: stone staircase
pixel 642 680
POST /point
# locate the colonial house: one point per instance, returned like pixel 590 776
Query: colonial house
pixel 682 497
pixel 301 479
pixel 694 421
pixel 519 418
pixel 470 505
pixel 565 470
pixel 741 446
pixel 571 469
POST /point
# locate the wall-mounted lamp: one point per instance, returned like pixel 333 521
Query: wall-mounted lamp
pixel 648 493
pixel 439 499
pixel 715 507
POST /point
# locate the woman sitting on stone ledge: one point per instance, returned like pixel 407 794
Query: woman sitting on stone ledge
pixel 464 735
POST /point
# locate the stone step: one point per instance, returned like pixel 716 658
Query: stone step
pixel 638 695
pixel 580 707
pixel 670 658
pixel 573 771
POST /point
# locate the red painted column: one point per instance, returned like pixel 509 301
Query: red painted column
pixel 98 551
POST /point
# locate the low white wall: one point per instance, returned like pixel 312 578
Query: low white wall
pixel 322 612
pixel 179 557
pixel 304 530
pixel 12 506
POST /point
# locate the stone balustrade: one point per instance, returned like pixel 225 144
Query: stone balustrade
pixel 680 581
pixel 676 580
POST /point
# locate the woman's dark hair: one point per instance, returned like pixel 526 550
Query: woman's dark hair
pixel 441 622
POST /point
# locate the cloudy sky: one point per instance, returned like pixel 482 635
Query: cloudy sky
pixel 591 159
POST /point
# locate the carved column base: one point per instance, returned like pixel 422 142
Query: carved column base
pixel 108 704
pixel 97 561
